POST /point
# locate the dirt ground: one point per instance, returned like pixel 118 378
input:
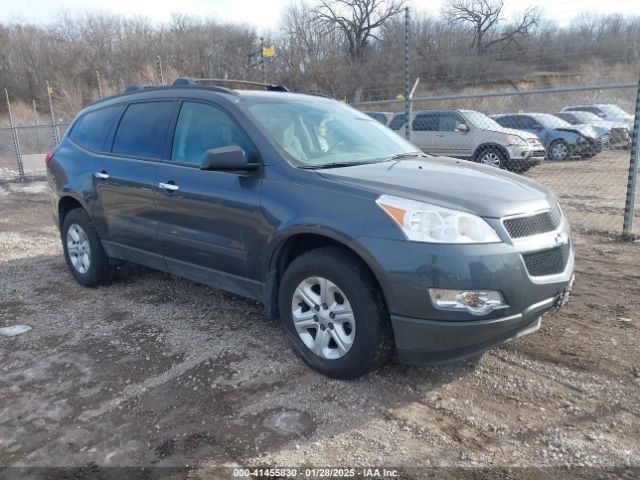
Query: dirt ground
pixel 159 371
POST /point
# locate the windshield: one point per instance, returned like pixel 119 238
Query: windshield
pixel 586 117
pixel 481 121
pixel 613 110
pixel 319 133
pixel 551 121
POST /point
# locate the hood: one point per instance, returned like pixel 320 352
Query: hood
pixel 610 124
pixel 520 133
pixel 583 129
pixel 451 183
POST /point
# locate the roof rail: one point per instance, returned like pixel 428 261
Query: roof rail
pixel 196 81
pixel 134 88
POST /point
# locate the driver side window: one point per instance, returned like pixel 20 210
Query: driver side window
pixel 201 127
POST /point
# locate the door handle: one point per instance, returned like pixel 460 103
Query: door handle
pixel 171 187
pixel 103 175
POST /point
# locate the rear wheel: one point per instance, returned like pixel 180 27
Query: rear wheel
pixel 83 250
pixel 492 157
pixel 334 314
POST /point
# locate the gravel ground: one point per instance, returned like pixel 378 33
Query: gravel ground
pixel 156 370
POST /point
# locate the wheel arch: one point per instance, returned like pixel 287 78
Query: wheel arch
pixel 297 243
pixel 67 203
pixel 490 145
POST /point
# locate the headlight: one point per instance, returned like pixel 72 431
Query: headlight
pixel 423 222
pixel 516 140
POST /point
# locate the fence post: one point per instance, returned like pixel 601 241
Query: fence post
pixel 37 124
pixel 627 226
pixel 99 84
pixel 263 65
pixel 14 137
pixel 407 76
pixel 160 72
pixel 56 139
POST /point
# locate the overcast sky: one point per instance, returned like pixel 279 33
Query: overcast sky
pixel 265 13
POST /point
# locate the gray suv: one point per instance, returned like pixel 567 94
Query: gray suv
pixel 473 136
pixel 357 241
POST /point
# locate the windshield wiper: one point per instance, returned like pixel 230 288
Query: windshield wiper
pixel 403 156
pixel 332 165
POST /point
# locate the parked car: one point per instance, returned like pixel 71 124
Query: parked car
pixel 382 117
pixel 472 135
pixel 618 134
pixel 560 138
pixel 611 113
pixel 342 229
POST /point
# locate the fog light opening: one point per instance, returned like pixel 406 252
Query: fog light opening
pixel 476 302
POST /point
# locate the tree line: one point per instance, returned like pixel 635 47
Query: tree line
pixel 350 49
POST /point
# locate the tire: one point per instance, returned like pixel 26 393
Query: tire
pixel 79 235
pixel 491 156
pixel 365 340
pixel 559 150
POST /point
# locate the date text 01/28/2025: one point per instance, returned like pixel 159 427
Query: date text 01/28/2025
pixel 316 472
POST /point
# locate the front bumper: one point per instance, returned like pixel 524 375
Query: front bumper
pixel 426 334
pixel 427 342
pixel 526 154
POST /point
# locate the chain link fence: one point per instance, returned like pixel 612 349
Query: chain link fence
pixel 577 141
pixel 34 141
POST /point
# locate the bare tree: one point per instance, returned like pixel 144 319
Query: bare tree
pixel 357 20
pixel 489 28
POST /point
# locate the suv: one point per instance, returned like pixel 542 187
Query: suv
pixel 473 136
pixel 356 240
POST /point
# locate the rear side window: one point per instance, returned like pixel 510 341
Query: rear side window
pixel 142 129
pixel 91 129
pixel 202 127
pixel 425 123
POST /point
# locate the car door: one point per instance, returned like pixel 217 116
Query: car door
pixel 207 219
pixel 450 140
pixel 125 182
pixel 424 131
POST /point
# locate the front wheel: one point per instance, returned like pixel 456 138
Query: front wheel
pixel 492 157
pixel 334 314
pixel 559 150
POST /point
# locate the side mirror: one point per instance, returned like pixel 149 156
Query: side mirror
pixel 232 157
pixel 601 114
pixel 462 127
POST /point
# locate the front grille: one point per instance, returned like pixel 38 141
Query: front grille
pixel 549 262
pixel 539 153
pixel 519 227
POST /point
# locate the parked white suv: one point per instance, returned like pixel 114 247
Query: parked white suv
pixel 473 136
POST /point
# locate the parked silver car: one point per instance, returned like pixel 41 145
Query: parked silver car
pixel 618 133
pixel 474 136
pixel 612 113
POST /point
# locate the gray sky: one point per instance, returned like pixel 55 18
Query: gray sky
pixel 265 13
